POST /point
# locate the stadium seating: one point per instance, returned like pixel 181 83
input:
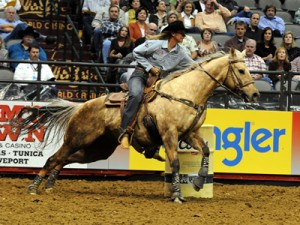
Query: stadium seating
pixel 297 40
pixel 291 5
pixel 262 85
pixel 287 17
pixel 221 39
pixel 278 41
pixel 6 74
pixel 231 28
pixel 250 3
pixel 261 13
pixel 262 4
pixel 294 85
pixel 294 28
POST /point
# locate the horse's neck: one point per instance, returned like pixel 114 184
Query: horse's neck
pixel 198 86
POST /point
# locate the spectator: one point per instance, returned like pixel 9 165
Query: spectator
pixel 138 28
pixel 234 8
pixel 20 51
pixel 27 71
pixel 289 44
pixel 150 5
pixel 3 53
pixel 187 18
pixel 296 68
pixel 190 46
pixel 199 6
pixel 252 31
pixel 271 20
pixel 255 62
pixel 9 23
pixel 10 27
pixel 151 30
pixel 5 3
pixel 120 46
pixel 280 62
pixel 130 14
pixel 207 46
pixel 160 17
pixel 211 18
pixel 172 16
pixel 89 10
pixel 239 40
pixel 266 47
pixel 103 14
pixel 106 33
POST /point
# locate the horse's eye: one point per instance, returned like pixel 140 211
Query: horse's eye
pixel 242 72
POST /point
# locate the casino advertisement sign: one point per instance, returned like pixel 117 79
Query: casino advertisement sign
pixel 246 141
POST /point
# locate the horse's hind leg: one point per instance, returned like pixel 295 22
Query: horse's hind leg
pixel 57 159
pixel 198 143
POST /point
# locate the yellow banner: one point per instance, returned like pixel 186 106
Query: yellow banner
pixel 252 141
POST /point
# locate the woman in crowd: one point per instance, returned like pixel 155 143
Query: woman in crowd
pixel 289 44
pixel 187 18
pixel 120 47
pixel 130 14
pixel 160 17
pixel 207 45
pixel 266 47
pixel 280 62
pixel 172 16
pixel 138 28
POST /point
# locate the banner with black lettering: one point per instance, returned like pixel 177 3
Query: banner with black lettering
pixel 18 150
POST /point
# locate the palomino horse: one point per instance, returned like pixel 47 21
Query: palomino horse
pixel 91 129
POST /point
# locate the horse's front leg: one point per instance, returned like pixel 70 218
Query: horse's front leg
pixel 197 142
pixel 170 140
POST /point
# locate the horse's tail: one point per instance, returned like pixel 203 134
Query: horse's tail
pixel 54 116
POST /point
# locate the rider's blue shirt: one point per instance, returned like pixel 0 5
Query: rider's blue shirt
pixel 155 53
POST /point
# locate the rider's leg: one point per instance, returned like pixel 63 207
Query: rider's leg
pixel 136 86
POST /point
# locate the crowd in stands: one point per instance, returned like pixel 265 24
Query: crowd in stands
pixel 113 28
pixel 203 19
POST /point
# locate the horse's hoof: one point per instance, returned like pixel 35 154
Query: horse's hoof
pixel 198 183
pixel 33 189
pixel 158 157
pixel 177 200
pixel 49 190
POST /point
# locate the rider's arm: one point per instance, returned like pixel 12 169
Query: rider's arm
pixel 144 51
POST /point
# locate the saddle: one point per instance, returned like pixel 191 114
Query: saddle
pixel 117 99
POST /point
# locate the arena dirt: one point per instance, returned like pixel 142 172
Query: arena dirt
pixel 142 202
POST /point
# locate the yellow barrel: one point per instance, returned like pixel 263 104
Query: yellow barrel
pixel 190 161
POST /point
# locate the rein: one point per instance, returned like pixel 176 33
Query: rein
pixel 238 83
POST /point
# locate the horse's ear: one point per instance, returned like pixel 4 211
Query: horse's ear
pixel 232 53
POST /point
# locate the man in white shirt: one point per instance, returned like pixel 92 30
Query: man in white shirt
pixel 89 10
pixel 28 71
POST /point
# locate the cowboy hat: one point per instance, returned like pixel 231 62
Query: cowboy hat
pixel 175 27
pixel 28 31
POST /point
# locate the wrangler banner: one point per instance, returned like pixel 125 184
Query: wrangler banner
pixel 246 141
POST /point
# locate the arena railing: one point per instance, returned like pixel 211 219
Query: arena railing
pixel 285 93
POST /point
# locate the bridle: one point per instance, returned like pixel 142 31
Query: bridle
pixel 236 79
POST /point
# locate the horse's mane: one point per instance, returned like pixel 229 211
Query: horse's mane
pixel 204 59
